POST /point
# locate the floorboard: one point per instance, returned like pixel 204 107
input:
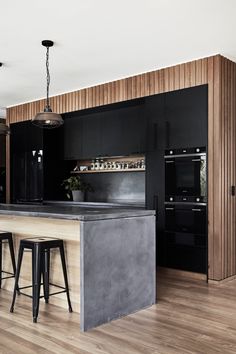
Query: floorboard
pixel 190 317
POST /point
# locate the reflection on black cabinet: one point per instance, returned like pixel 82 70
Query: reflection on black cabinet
pixel 118 129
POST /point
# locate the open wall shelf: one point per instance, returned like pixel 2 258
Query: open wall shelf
pixel 134 163
pixel 107 171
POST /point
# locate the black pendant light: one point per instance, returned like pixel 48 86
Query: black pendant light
pixel 4 129
pixel 47 118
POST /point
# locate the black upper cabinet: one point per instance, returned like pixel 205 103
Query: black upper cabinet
pixel 133 125
pixel 107 131
pixel 73 138
pixel 186 114
pixel 155 116
pixel 111 133
pixel 91 136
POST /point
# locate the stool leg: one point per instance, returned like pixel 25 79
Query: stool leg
pixel 16 287
pixel 0 264
pixel 12 253
pixel 36 277
pixel 46 269
pixel 11 248
pixel 65 275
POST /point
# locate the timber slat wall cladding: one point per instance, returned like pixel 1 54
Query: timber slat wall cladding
pixel 220 75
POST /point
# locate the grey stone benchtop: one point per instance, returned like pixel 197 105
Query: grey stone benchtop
pixel 72 212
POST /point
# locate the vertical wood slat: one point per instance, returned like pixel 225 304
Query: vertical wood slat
pixel 221 137
pixel 233 117
pixel 211 263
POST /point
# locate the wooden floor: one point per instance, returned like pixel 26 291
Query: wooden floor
pixel 190 317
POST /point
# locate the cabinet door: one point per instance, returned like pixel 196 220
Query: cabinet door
pixel 54 166
pixel 111 133
pixel 186 118
pixel 133 130
pixel 91 139
pixel 73 138
pixel 26 162
pixel 155 167
pixel 124 131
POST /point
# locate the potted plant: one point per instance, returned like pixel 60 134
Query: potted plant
pixel 76 187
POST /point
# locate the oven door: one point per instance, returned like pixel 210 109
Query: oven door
pixel 185 176
pixel 184 218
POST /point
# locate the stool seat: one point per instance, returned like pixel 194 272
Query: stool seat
pixel 44 242
pixel 40 247
pixel 7 236
pixel 4 235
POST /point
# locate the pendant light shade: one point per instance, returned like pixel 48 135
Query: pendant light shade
pixel 47 118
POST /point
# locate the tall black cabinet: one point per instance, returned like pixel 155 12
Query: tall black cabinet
pixel 176 120
pixel 37 166
pixel 26 163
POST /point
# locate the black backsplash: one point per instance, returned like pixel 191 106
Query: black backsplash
pixel 116 187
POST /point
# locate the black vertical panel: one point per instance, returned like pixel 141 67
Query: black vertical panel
pixel 155 171
pixel 91 139
pixel 73 137
pixel 186 114
pixel 26 162
pixel 55 168
pixel 176 119
pixel 112 130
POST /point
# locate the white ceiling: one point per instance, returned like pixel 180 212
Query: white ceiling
pixel 97 41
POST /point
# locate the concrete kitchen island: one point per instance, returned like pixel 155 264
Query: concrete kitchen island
pixel 110 255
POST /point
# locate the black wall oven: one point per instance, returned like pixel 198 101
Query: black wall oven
pixel 186 209
pixel 185 175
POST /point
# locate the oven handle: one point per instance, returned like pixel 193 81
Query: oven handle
pixel 195 209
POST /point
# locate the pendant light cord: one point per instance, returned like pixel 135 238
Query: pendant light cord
pixel 48 77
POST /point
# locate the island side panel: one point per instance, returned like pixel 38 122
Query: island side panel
pixel 118 268
pixel 69 231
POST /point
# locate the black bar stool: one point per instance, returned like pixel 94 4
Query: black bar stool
pixel 40 247
pixel 6 237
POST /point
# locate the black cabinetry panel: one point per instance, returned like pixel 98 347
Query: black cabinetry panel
pixel 175 120
pixel 118 129
pixel 37 163
pixel 186 117
pixel 155 164
pixel 26 162
pixel 55 169
pixel 91 135
pixel 187 258
pixel 73 134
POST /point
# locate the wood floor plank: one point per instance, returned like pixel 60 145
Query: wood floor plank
pixel 191 317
